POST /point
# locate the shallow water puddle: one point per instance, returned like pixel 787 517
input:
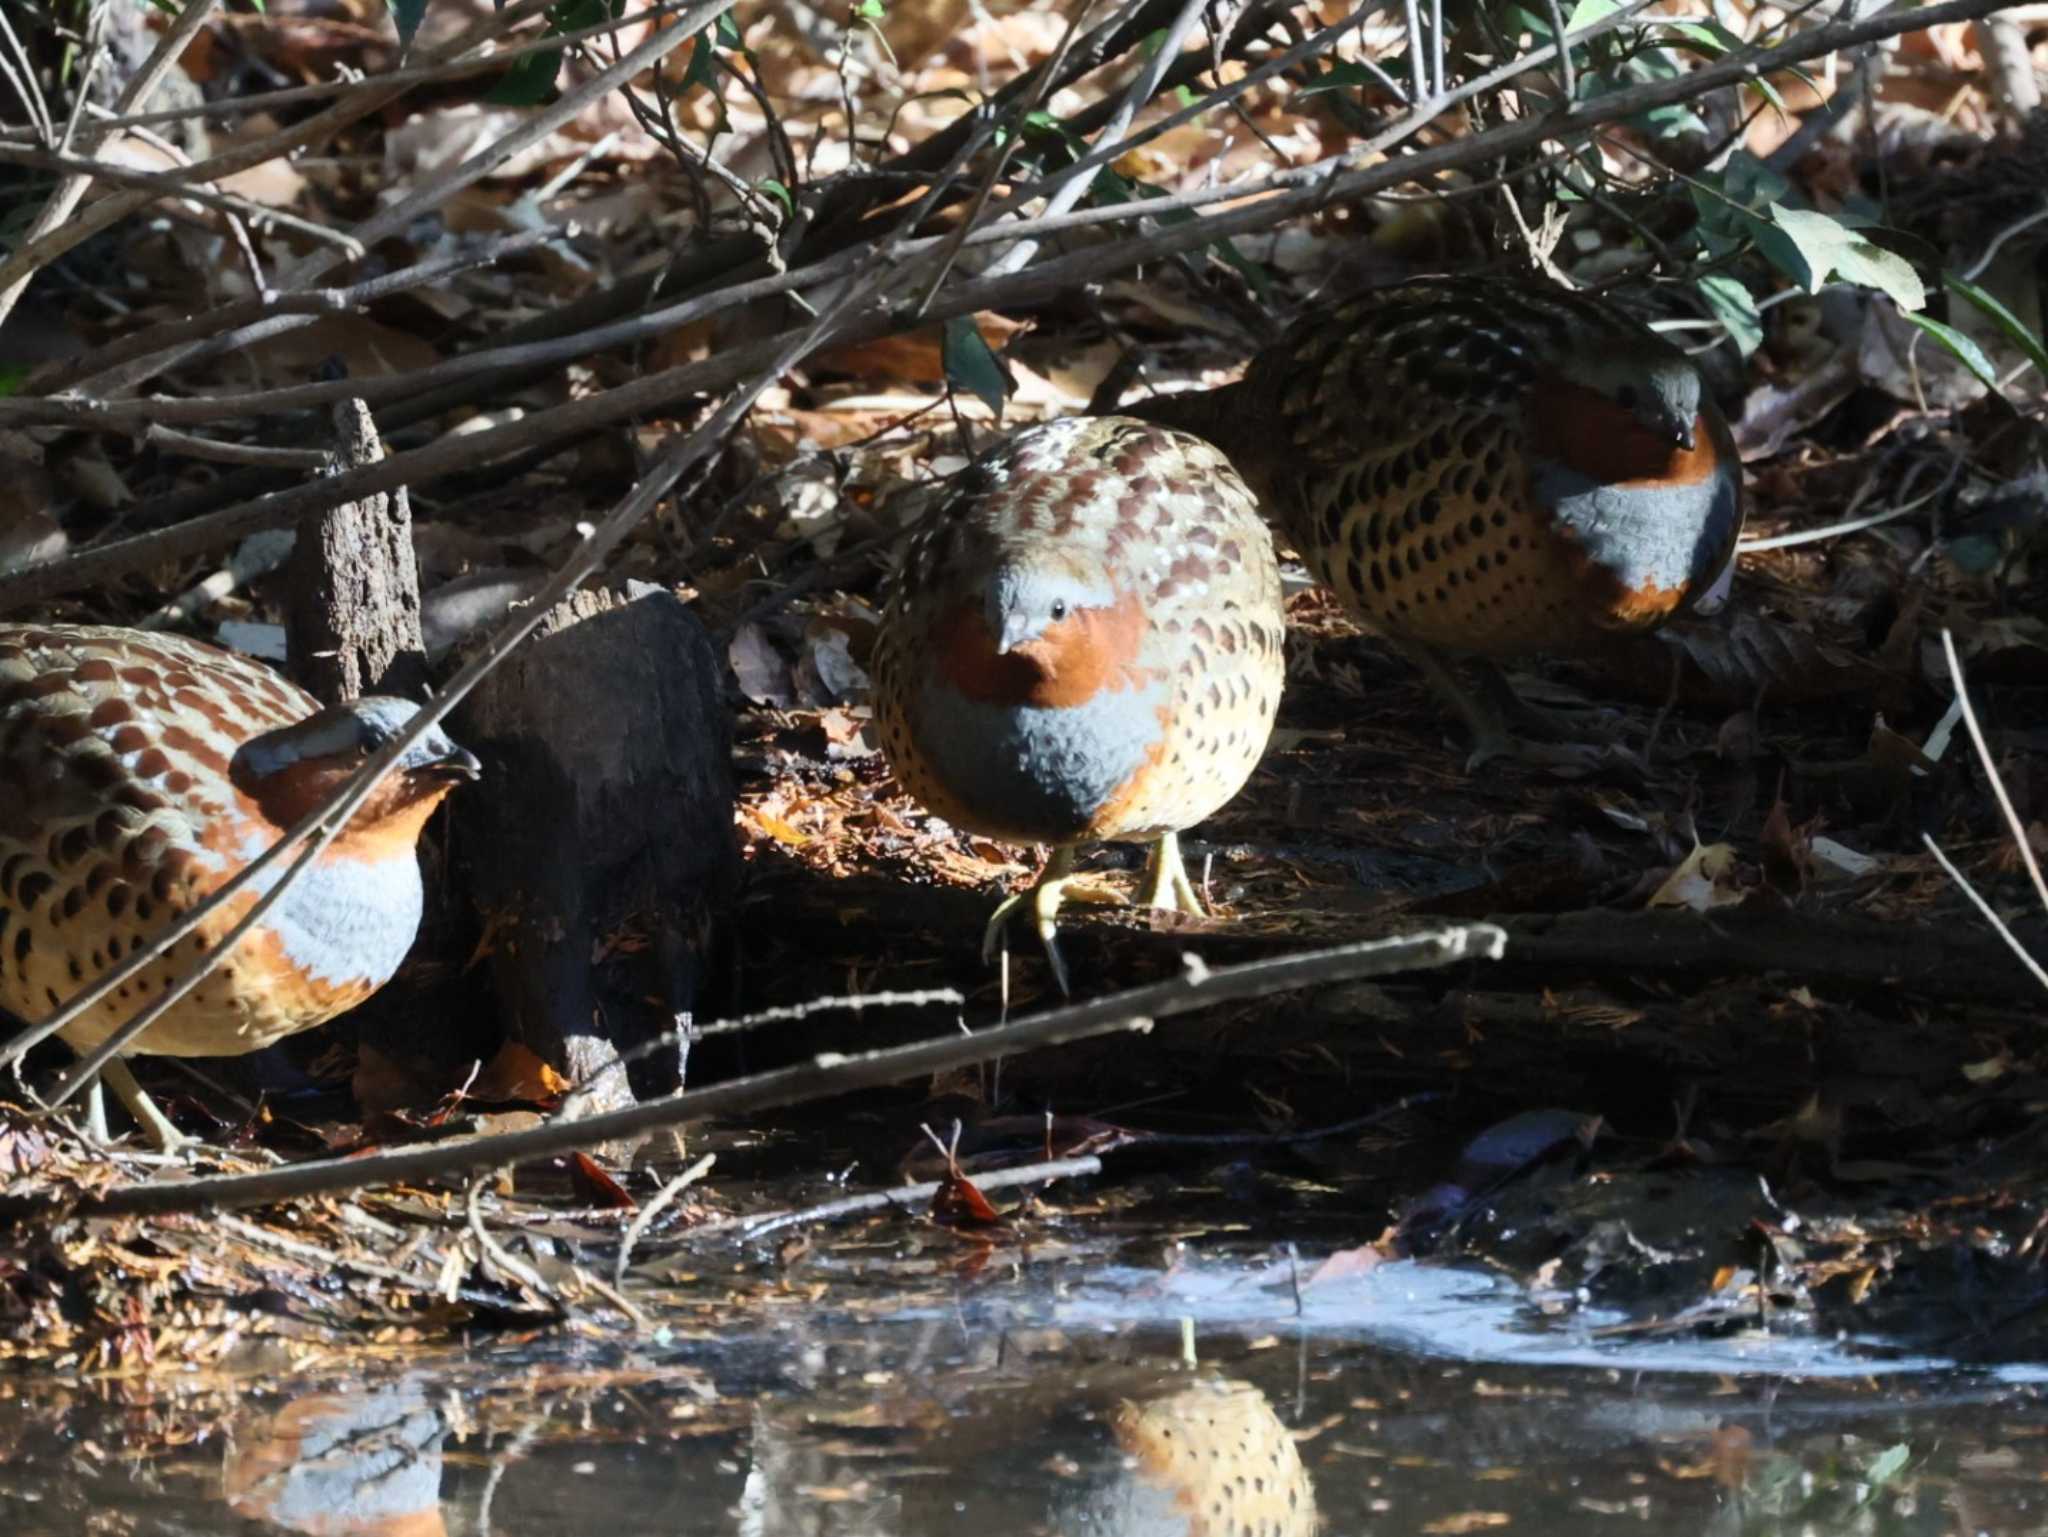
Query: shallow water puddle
pixel 1410 1399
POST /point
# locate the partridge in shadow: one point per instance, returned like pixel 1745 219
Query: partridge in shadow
pixel 1485 469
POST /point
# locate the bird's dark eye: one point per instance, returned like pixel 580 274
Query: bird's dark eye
pixel 1625 397
pixel 1059 608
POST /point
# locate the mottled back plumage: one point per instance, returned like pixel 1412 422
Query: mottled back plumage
pixel 138 772
pixel 1484 466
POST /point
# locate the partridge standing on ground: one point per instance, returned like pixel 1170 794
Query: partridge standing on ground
pixel 1485 468
pixel 1085 642
pixel 138 773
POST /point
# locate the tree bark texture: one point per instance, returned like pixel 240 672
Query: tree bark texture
pixel 354 611
pixel 601 852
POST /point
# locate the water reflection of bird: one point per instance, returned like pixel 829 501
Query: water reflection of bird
pixel 1202 1458
pixel 340 1465
pixel 138 773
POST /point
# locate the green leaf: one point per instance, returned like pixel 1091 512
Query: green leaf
pixel 1967 351
pixel 1826 249
pixel 1769 92
pixel 971 366
pixel 407 15
pixel 12 378
pixel 1734 308
pixel 1709 36
pixel 529 82
pixel 1726 202
pixel 870 10
pixel 1586 12
pixel 2017 331
pixel 776 190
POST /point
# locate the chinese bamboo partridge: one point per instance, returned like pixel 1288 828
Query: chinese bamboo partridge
pixel 1085 642
pixel 1485 468
pixel 138 772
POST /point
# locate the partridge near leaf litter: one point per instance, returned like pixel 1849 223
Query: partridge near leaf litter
pixel 1084 642
pixel 1485 468
pixel 138 773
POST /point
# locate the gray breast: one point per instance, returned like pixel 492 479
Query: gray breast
pixel 1037 775
pixel 347 921
pixel 1666 536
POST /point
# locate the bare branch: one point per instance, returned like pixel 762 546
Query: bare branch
pixel 1132 1010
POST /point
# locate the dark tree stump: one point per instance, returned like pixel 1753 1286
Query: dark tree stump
pixel 601 853
pixel 354 610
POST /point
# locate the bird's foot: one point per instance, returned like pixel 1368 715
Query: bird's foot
pixel 1167 886
pixel 1532 722
pixel 156 1126
pixel 1505 726
pixel 1044 896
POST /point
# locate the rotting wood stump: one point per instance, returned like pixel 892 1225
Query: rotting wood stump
pixel 353 622
pixel 603 861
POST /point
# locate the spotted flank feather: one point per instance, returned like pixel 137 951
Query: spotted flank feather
pixel 1084 640
pixel 129 792
pixel 1485 467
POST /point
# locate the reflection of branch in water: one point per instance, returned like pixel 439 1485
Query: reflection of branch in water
pixel 501 1460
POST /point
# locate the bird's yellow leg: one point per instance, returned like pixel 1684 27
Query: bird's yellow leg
pixel 1044 895
pixel 154 1123
pixel 1166 879
pixel 96 1115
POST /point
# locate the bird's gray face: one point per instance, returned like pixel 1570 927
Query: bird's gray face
pixel 1025 599
pixel 344 735
pixel 1662 392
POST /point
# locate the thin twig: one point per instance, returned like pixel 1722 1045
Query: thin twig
pixel 510 1265
pixel 898 1197
pixel 1835 530
pixel 168 184
pixel 2012 817
pixel 224 319
pixel 190 446
pixel 644 1218
pixel 63 201
pixel 1990 916
pixel 1140 91
pixel 40 249
pixel 1135 1009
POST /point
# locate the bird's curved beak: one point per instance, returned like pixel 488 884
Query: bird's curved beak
pixel 1682 435
pixel 461 764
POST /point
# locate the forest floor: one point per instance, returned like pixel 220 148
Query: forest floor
pixel 1750 1052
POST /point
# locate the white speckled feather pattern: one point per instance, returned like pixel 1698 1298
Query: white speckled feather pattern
pixel 1143 698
